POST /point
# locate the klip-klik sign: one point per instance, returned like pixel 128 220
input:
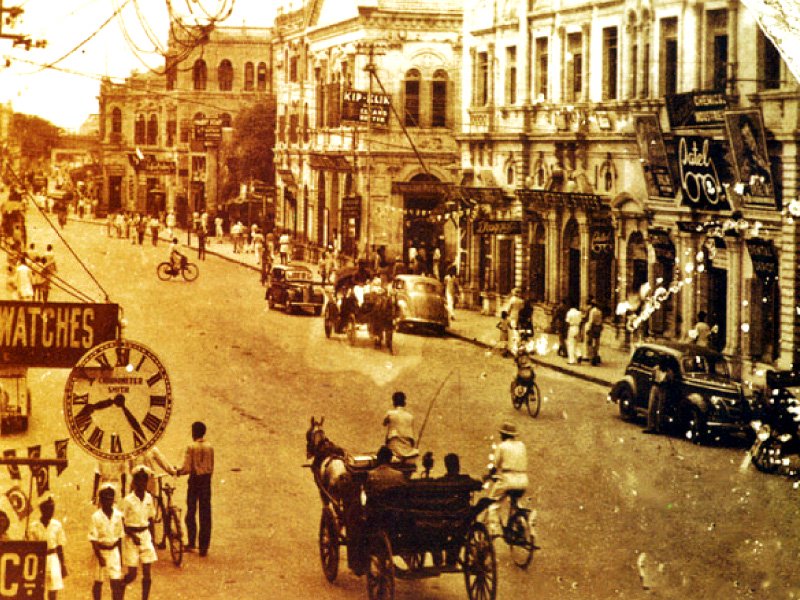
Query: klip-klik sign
pixel 698 175
pixel 497 227
pixel 357 106
pixel 53 334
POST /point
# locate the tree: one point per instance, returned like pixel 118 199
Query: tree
pixel 35 136
pixel 254 140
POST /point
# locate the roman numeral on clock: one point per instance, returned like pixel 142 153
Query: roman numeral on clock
pixel 154 379
pixel 123 356
pixel 103 360
pixel 116 444
pixel 83 420
pixel 80 399
pixel 158 400
pixel 152 422
pixel 96 439
pixel 137 440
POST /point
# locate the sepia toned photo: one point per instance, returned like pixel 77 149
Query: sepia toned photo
pixel 397 300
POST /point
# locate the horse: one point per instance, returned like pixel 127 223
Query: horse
pixel 381 320
pixel 328 464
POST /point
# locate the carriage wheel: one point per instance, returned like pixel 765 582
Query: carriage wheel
pixel 480 564
pixel 380 574
pixel 329 544
pixel 351 330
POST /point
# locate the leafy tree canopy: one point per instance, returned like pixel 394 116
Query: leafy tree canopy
pixel 254 140
pixel 35 136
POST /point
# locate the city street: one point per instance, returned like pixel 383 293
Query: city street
pixel 619 511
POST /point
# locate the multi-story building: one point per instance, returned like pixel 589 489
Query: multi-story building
pixel 165 136
pixel 366 97
pixel 643 154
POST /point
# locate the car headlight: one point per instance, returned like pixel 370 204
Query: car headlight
pixel 716 401
pixel 764 432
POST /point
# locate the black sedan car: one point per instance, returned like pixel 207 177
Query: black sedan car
pixel 709 402
pixel 294 288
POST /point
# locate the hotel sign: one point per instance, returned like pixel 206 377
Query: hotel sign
pixel 497 227
pixel 698 175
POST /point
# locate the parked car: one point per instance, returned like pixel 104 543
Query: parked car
pixel 15 400
pixel 293 288
pixel 420 302
pixel 710 401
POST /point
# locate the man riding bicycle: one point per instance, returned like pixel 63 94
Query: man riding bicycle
pixel 509 473
pixel 176 260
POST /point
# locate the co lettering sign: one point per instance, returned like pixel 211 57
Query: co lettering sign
pixel 53 334
pixel 698 175
pixel 22 570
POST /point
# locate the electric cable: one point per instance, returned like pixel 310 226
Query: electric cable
pixel 77 294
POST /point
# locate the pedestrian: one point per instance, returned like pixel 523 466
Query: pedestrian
pixel 198 464
pixel 266 267
pixel 38 278
pixel 662 393
pixel 437 263
pixel 513 306
pixel 503 325
pixel 509 472
pixel 154 225
pixel 201 243
pixel 47 529
pixel 701 332
pixel 330 266
pixel 109 223
pixel 284 248
pixel 451 291
pixel 399 424
pixel 258 244
pixel 170 223
pixel 559 326
pixel 24 280
pixel 204 225
pixel 138 513
pixel 119 224
pixel 592 331
pixel 218 232
pixel 135 228
pixel 573 318
pixel 236 235
pixel 141 229
pixel 322 267
pixel 270 245
pixel 105 534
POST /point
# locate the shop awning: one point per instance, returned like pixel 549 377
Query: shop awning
pixel 287 177
pixel 329 162
pixel 662 244
pixel 764 257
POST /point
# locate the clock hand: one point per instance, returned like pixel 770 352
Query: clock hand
pixel 90 408
pixel 132 420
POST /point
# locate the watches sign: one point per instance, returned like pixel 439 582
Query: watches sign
pixel 53 334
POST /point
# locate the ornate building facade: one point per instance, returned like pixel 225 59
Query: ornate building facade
pixel 640 153
pixel 366 95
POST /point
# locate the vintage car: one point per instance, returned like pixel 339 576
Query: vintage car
pixel 293 287
pixel 420 303
pixel 15 400
pixel 710 400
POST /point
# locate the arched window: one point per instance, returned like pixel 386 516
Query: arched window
pixel 249 76
pixel 200 74
pixel 439 99
pixel 226 119
pixel 411 106
pixel 261 81
pixel 225 76
pixel 116 120
pixel 152 131
pixel 139 133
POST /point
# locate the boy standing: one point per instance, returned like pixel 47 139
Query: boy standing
pixel 138 512
pixel 198 464
pixel 47 529
pixel 503 325
pixel 105 534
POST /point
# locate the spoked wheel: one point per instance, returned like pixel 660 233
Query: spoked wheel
pixel 520 540
pixel 767 457
pixel 698 430
pixel 380 574
pixel 534 401
pixel 480 564
pixel 329 544
pixel 159 525
pixel 175 539
pixel 164 271
pixel 625 400
pixel 516 399
pixel 351 330
pixel 190 272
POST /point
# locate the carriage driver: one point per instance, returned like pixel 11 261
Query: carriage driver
pixel 509 473
pixel 400 428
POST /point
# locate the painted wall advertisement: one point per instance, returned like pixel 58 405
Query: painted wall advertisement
pixel 653 153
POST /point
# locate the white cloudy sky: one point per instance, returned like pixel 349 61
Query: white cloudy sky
pixel 67 99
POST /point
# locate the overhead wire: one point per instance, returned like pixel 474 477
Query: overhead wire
pixel 77 294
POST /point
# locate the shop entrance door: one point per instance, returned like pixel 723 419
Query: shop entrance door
pixel 718 305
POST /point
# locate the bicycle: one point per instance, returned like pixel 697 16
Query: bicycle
pixel 187 270
pixel 524 389
pixel 167 523
pixel 517 530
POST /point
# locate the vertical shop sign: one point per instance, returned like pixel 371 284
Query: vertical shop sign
pixel 653 153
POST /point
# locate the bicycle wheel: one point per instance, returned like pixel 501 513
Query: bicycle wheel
pixel 520 539
pixel 164 271
pixel 159 525
pixel 534 400
pixel 190 272
pixel 175 538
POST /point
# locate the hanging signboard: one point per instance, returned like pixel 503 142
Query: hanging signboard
pixel 53 334
pixel 357 106
pixel 654 156
pixel 22 567
pixel 698 175
pixel 763 256
pixel 696 109
pixel 351 207
pixel 497 227
pixel 601 241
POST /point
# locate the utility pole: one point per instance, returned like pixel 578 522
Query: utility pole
pixel 18 39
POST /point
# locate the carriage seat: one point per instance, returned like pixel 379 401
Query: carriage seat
pixel 360 462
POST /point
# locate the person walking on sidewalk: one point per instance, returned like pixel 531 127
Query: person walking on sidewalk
pixel 154 225
pixel 198 464
pixel 201 243
pixel 451 291
pixel 560 327
pixel 503 325
pixel 218 229
pixel 284 248
pixel 574 319
pixel 592 330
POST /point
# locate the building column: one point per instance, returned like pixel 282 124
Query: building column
pixel 553 257
pixel 733 334
pixel 688 294
pixel 583 231
pixel 586 39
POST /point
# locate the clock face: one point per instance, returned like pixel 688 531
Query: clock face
pixel 117 400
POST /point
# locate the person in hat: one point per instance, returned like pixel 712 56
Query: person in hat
pixel 105 534
pixel 509 471
pixel 399 424
pixel 138 512
pixel 47 529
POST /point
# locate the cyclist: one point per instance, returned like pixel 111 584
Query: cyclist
pixel 176 259
pixel 509 473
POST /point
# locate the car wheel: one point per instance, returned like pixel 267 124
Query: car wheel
pixel 270 301
pixel 697 429
pixel 625 399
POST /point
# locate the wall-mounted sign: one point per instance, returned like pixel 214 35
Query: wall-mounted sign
pixel 696 109
pixel 22 566
pixel 601 241
pixel 748 149
pixel 662 245
pixel 497 227
pixel 357 107
pixel 698 174
pixel 351 206
pixel 763 256
pixel 655 162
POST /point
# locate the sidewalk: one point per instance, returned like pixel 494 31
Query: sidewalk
pixel 469 326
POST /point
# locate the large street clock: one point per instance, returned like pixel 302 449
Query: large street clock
pixel 117 400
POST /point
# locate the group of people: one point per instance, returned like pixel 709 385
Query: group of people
pixel 133 227
pixel 30 274
pixel 516 323
pixel 579 331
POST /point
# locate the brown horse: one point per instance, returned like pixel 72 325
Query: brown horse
pixel 328 464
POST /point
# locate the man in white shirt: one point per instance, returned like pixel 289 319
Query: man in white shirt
pixel 138 512
pixel 399 425
pixel 105 534
pixel 24 280
pixel 509 472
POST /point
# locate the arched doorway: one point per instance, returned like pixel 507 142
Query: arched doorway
pixel 572 262
pixel 419 230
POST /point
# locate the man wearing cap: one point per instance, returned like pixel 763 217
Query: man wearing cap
pixel 400 428
pixel 47 529
pixel 509 471
pixel 105 534
pixel 138 512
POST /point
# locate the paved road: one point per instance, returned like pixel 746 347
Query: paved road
pixel 609 498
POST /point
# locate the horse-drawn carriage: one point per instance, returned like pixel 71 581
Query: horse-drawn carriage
pixel 423 517
pixel 359 302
